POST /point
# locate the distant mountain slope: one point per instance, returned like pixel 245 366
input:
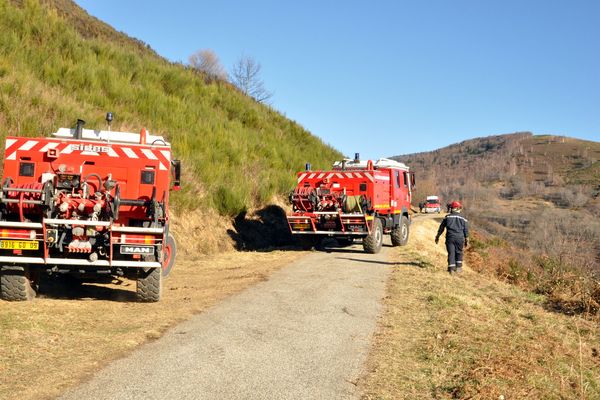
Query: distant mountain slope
pixel 535 201
pixel 58 64
pixel 496 158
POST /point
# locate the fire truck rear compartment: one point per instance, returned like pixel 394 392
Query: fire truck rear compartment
pixel 356 199
pixel 90 203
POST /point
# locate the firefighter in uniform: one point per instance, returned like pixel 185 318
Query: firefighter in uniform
pixel 457 236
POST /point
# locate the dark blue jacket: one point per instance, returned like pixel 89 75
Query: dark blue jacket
pixel 457 227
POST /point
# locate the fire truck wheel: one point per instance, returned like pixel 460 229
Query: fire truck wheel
pixel 169 256
pixel 149 285
pixel 372 243
pixel 16 284
pixel 400 233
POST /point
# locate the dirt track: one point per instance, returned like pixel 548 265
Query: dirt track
pixel 68 332
pixel 302 334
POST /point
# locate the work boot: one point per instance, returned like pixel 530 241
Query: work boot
pixel 458 270
pixel 451 270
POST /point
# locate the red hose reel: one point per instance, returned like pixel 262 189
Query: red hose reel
pixel 23 199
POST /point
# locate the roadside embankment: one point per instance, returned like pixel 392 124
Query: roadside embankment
pixel 471 336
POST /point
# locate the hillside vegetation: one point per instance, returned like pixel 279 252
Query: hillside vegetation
pixel 534 200
pixel 58 64
pixel 472 337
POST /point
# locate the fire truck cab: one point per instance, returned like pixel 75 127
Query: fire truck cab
pixel 357 199
pixel 433 205
pixel 88 203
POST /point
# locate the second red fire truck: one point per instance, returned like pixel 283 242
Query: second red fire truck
pixel 356 199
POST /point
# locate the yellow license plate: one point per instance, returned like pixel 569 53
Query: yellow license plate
pixel 301 226
pixel 19 244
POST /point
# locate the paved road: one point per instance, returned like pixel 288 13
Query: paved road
pixel 303 334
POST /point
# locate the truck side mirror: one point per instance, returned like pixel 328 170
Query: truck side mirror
pixel 176 171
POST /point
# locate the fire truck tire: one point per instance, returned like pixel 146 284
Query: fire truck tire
pixel 169 256
pixel 372 243
pixel 400 233
pixel 16 284
pixel 149 285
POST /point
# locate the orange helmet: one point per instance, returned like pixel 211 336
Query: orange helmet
pixel 456 205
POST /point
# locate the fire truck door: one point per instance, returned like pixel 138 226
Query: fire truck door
pixel 407 182
pixel 395 189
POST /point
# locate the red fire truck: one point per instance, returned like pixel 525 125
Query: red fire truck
pixel 356 199
pixel 90 203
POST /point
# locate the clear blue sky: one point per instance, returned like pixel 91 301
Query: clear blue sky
pixel 392 77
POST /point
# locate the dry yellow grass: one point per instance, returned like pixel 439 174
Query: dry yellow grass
pixel 444 337
pixel 52 343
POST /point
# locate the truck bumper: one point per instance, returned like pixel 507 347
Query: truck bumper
pixel 119 236
pixel 329 224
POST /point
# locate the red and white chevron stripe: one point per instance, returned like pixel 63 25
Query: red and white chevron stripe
pixel 15 145
pixel 340 175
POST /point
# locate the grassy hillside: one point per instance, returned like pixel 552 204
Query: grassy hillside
pixel 472 337
pixel 58 64
pixel 535 201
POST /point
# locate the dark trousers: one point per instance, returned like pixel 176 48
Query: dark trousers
pixel 454 245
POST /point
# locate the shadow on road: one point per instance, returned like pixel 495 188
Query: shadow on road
pixel 360 260
pixel 67 288
pixel 264 230
pixel 418 264
pixel 340 250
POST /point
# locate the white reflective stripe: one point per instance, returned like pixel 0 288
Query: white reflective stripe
pixel 383 178
pixel 57 221
pixel 162 167
pixel 22 260
pixel 301 177
pixel 349 174
pixel 312 175
pixel 12 156
pixel 77 261
pixel 112 153
pixel 89 153
pixel 369 176
pixel 456 216
pixel 330 176
pixel 140 264
pixel 67 150
pixel 49 146
pixel 149 154
pixel 129 153
pixel 358 174
pixel 10 142
pixel 166 154
pixel 321 175
pixel 28 145
pixel 339 175
pixel 136 229
pixel 30 225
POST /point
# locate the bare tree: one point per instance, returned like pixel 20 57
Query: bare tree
pixel 246 76
pixel 207 61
